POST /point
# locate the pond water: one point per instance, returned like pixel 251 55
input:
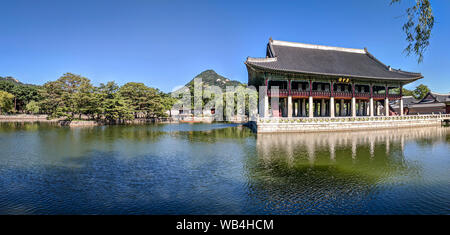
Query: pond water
pixel 221 169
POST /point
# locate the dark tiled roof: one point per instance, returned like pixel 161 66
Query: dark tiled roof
pixel 324 60
pixel 436 98
pixel 409 100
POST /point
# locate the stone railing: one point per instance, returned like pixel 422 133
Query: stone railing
pixel 352 119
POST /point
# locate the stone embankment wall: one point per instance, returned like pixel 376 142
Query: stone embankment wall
pixel 25 118
pixel 319 125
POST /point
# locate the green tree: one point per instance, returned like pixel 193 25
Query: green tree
pixel 112 105
pixel 418 27
pixel 407 92
pixel 52 102
pixel 32 107
pixel 168 101
pixel 144 100
pixel 6 102
pixel 68 96
pixel 76 95
pixel 23 93
pixel 420 91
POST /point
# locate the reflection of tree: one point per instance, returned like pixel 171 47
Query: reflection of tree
pixel 228 132
pixel 78 142
pixel 10 127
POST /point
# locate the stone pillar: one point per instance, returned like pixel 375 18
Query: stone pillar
pixel 331 106
pixel 386 106
pixel 363 108
pixel 311 110
pixel 353 107
pixel 367 108
pixel 371 107
pixel 401 106
pixel 378 108
pixel 341 108
pixel 322 108
pixel 266 106
pixel 299 112
pixel 294 108
pixel 289 106
pixel 359 108
pixel 304 108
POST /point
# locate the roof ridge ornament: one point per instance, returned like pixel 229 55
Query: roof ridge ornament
pixel 266 59
pixel 318 47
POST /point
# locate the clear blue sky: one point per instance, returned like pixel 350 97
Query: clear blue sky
pixel 166 43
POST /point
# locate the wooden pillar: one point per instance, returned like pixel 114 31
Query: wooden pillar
pixel 311 110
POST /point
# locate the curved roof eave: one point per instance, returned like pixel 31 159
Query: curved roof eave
pixel 409 80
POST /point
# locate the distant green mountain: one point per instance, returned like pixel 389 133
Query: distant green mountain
pixel 10 79
pixel 211 78
pixel 14 82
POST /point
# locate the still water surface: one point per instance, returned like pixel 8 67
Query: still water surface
pixel 221 169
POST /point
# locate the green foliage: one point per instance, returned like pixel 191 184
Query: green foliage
pixel 405 92
pixel 73 96
pixel 112 105
pixel 420 91
pixel 6 102
pixel 144 100
pixel 418 27
pixel 32 107
pixel 23 93
pixel 68 96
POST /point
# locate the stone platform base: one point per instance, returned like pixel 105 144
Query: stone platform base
pixel 302 125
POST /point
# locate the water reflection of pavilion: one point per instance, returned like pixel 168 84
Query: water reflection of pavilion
pixel 309 144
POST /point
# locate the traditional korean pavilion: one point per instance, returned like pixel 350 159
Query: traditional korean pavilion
pixel 316 81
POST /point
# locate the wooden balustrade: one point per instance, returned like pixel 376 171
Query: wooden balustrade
pixel 339 94
pixel 342 94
